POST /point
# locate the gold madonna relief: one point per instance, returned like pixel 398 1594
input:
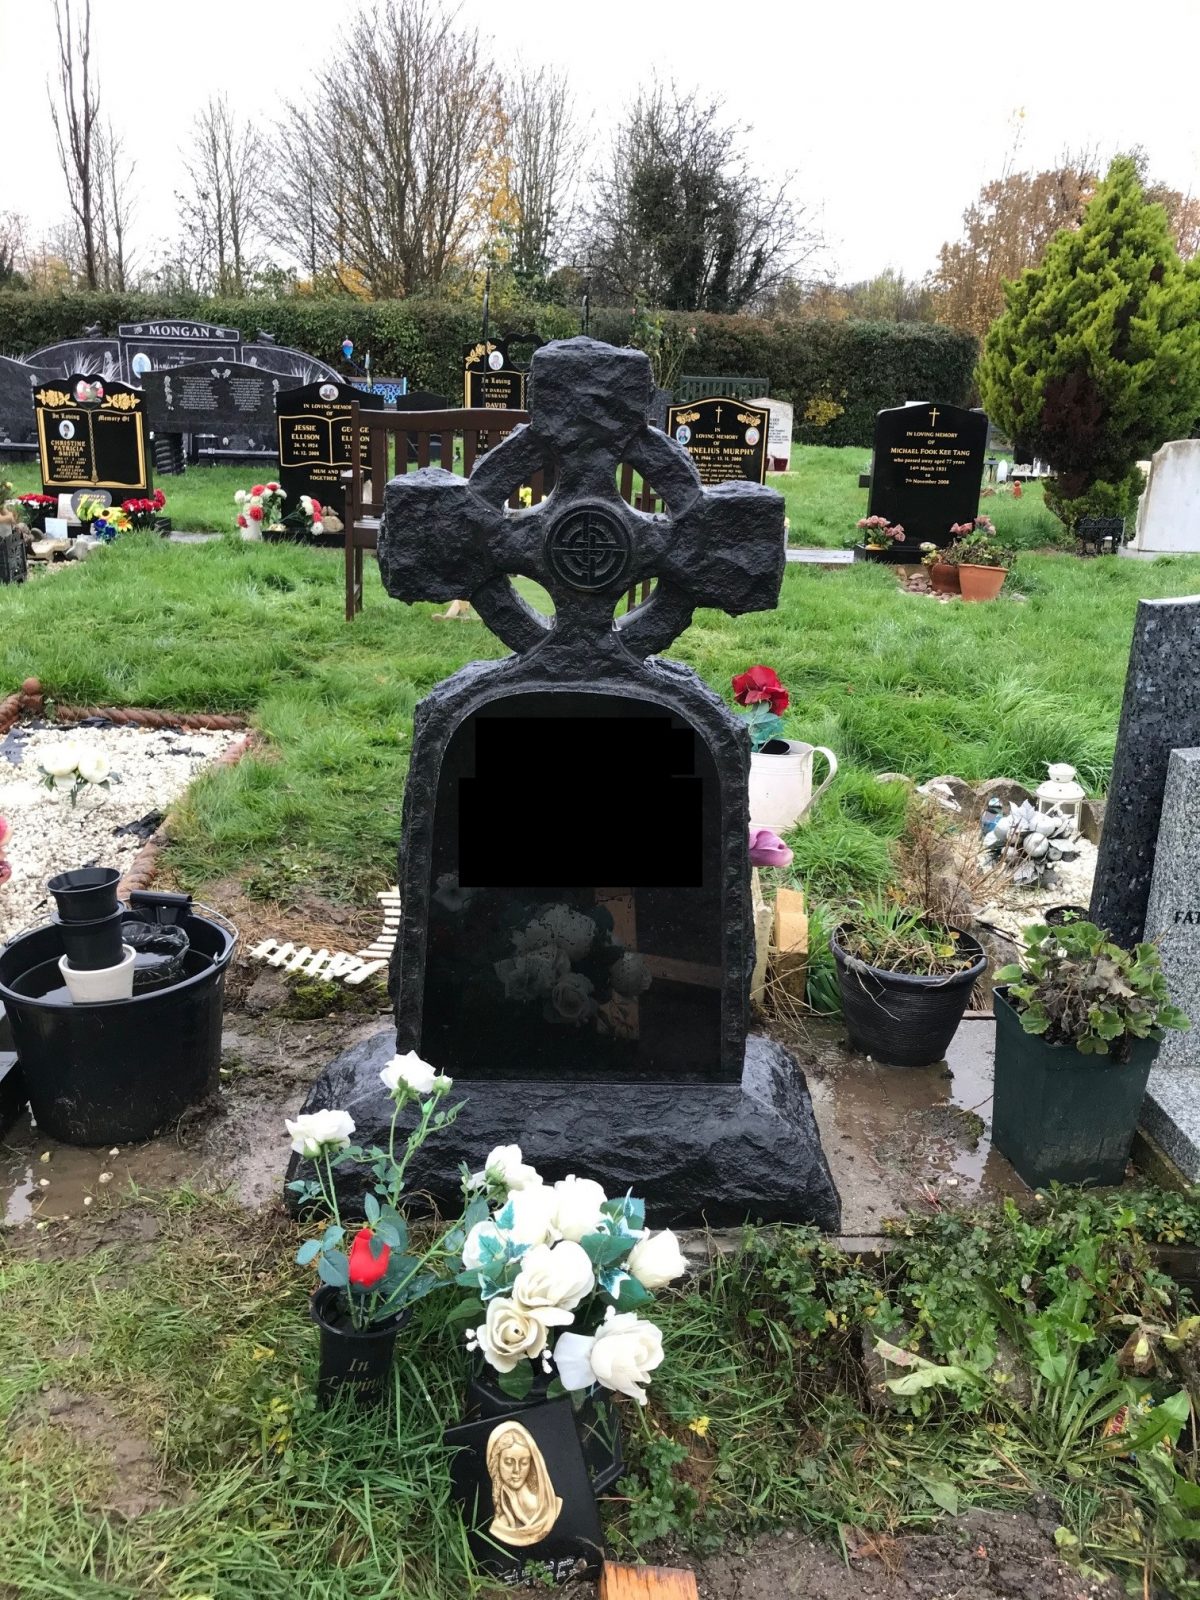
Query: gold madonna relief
pixel 524 1504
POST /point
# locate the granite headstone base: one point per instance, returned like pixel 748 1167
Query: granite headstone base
pixel 721 1153
pixel 1171 1116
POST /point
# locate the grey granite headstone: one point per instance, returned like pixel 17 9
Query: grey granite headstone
pixel 1160 713
pixel 1171 1111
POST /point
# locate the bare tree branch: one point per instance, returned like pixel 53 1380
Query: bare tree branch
pixel 75 110
pixel 225 169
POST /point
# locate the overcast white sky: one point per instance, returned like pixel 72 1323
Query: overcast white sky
pixel 890 113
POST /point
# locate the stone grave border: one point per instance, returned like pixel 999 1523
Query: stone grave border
pixel 30 700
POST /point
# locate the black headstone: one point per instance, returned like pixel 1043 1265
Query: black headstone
pixel 228 399
pixel 727 439
pixel 927 469
pixel 17 426
pixel 173 341
pixel 314 441
pixel 424 400
pixel 574 872
pixel 92 435
pixel 489 382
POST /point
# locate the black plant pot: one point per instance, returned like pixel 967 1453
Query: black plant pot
pixel 355 1363
pixel 901 1019
pixel 1060 1116
pixel 597 1420
pixel 1063 916
pixel 90 946
pixel 86 894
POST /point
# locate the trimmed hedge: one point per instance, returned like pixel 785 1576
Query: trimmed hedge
pixel 836 374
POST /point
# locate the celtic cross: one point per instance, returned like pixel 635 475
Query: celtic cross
pixel 444 537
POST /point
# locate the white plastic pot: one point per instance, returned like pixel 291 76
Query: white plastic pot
pixel 105 983
pixel 781 791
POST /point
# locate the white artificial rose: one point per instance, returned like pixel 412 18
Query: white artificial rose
pixel 505 1169
pixel 554 1275
pixel 474 1255
pixel 629 976
pixel 408 1073
pixel 239 497
pixel 60 760
pixel 572 930
pixel 625 1352
pixel 511 1334
pixel 577 1206
pixel 657 1260
pixel 318 527
pixel 94 766
pixel 533 1212
pixel 313 1132
pixel 570 998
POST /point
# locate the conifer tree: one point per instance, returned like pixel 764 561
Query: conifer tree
pixel 1096 361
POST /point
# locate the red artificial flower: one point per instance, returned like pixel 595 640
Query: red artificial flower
pixel 273 487
pixel 159 499
pixel 256 513
pixel 366 1266
pixel 242 523
pixel 759 684
pixel 316 506
pixel 258 489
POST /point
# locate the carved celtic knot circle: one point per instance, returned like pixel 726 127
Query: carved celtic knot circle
pixel 589 548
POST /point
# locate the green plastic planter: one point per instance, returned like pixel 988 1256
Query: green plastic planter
pixel 1060 1116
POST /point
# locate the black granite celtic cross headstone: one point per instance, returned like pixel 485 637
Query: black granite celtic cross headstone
pixel 577 942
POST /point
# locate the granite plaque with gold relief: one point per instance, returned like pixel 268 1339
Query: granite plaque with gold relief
pixel 313 425
pixel 726 439
pixel 489 382
pixel 91 435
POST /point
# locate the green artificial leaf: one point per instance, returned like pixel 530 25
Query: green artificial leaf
pixel 334 1234
pixel 465 1311
pixel 334 1268
pixel 308 1251
pixel 606 1249
pixel 371 1208
pixel 630 1294
pixel 517 1383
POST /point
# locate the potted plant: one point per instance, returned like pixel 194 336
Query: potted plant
pixel 982 564
pixel 368 1290
pixel 878 533
pixel 260 512
pixel 1078 1024
pixel 88 508
pixel 943 574
pixel 561 1274
pixel 781 770
pixel 905 981
pixel 143 512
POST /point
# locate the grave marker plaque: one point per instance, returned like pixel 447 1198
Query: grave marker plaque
pixel 314 440
pixel 213 397
pixel 92 435
pixel 489 383
pixel 577 936
pixel 727 439
pixel 927 469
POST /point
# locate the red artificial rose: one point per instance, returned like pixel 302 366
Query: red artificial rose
pixel 367 1267
pixel 160 499
pixel 242 523
pixel 759 684
pixel 258 489
pixel 316 504
pixel 256 513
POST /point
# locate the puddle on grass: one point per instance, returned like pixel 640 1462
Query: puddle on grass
pixel 908 1137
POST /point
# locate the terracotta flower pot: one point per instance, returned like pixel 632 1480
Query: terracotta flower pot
pixel 981 583
pixel 943 576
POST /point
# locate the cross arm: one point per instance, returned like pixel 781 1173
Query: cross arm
pixel 434 537
pixel 729 548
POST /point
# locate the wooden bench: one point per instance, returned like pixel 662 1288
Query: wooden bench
pixel 395 442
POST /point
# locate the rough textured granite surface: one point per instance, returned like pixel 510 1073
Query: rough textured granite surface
pixel 1160 713
pixel 1171 1115
pixel 1173 911
pixel 715 1153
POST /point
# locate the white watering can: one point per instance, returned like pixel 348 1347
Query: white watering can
pixel 781 791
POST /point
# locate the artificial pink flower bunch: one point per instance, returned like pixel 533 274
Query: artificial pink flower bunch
pixel 878 530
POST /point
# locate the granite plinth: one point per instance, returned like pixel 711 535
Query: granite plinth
pixel 1160 713
pixel 717 1153
pixel 1173 910
pixel 1171 1115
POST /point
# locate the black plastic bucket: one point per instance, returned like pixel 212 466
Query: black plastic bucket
pixel 899 1018
pixel 121 1070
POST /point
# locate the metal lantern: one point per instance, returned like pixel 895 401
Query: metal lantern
pixel 1060 793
